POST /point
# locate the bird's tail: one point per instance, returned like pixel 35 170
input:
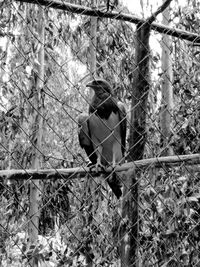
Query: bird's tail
pixel 115 185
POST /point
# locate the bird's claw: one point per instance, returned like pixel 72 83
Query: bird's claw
pixel 96 167
pixel 99 167
pixel 90 165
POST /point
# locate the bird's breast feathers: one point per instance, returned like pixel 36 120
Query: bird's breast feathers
pixel 105 129
pixel 106 133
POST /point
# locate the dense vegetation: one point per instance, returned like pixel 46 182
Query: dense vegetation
pixel 79 219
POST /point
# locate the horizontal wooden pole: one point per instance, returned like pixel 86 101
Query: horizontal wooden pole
pixel 78 172
pixel 82 10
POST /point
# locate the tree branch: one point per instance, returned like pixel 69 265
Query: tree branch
pixel 78 172
pixel 57 4
pixel 151 19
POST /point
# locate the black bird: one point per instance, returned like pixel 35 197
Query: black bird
pixel 102 133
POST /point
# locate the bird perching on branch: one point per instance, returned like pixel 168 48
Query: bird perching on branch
pixel 102 133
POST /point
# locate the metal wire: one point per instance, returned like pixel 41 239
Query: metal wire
pixel 81 223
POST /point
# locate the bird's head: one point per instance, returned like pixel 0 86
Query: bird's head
pixel 100 86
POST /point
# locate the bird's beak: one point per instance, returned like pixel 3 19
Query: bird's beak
pixel 90 84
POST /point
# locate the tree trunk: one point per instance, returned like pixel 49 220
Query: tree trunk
pixel 93 44
pixel 167 90
pixel 137 140
pixel 37 133
pixel 92 185
pixel 129 222
pixel 140 90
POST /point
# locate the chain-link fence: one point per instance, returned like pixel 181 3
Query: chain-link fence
pixel 57 206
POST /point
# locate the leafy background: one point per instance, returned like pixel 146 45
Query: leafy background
pixel 80 218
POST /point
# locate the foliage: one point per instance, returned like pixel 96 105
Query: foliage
pixel 50 251
pixel 79 220
pixel 169 229
pixel 186 86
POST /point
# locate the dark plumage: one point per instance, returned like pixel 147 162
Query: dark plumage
pixel 103 132
pixel 84 137
pixel 103 102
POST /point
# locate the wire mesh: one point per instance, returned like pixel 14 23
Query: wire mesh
pixel 79 221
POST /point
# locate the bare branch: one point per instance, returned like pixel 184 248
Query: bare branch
pixel 192 37
pixel 78 172
pixel 151 19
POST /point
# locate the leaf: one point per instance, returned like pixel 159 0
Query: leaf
pixel 28 69
pixel 36 64
pixel 182 178
pixel 194 198
pixel 185 124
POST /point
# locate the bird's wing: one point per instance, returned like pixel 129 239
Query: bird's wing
pixel 85 124
pixel 84 136
pixel 123 125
